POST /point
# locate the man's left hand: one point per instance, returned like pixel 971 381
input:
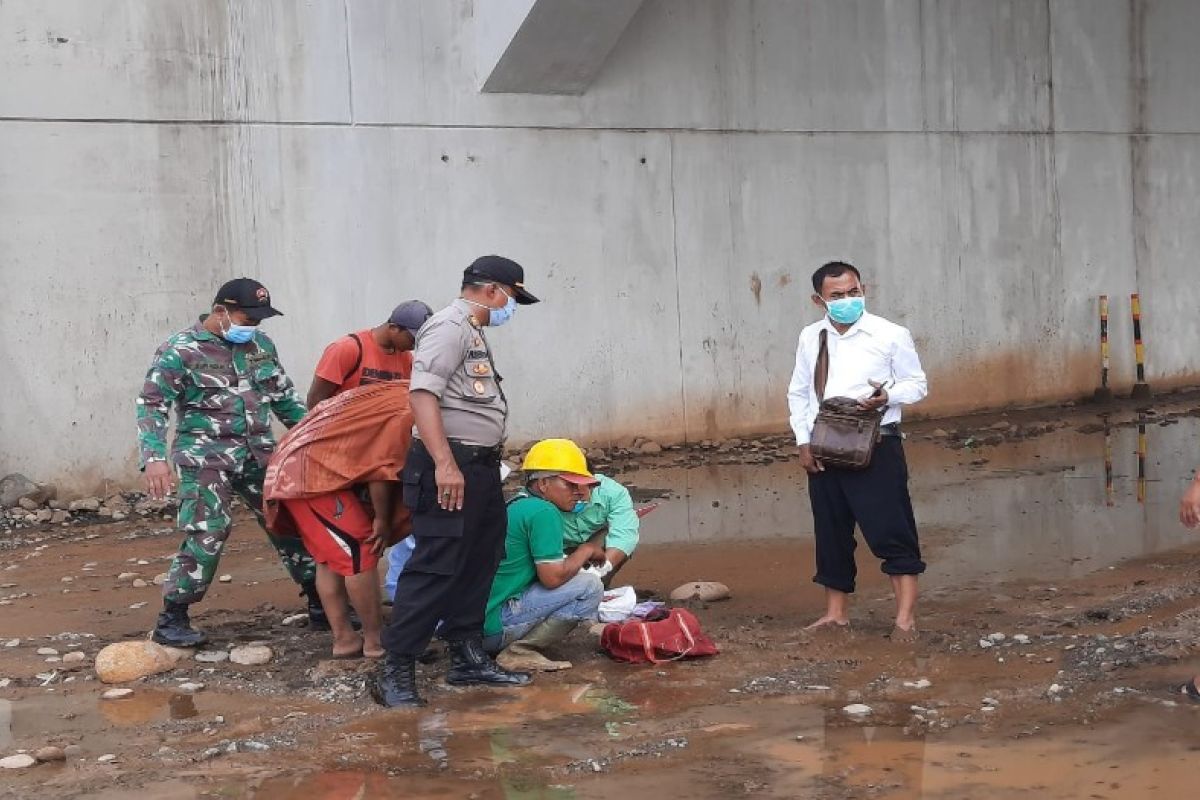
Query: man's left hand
pixel 875 401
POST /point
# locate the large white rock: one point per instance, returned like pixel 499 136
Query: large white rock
pixel 708 591
pixel 251 655
pixel 128 661
pixel 19 761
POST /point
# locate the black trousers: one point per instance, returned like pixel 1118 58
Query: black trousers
pixel 875 498
pixel 449 575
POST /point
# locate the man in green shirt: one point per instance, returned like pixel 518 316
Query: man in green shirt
pixel 609 512
pixel 540 594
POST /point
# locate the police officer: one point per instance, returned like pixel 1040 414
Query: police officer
pixel 452 485
pixel 224 378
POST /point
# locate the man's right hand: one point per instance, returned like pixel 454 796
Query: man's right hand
pixel 810 464
pixel 159 479
pixel 451 486
pixel 1189 506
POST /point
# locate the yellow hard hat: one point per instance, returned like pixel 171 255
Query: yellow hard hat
pixel 558 455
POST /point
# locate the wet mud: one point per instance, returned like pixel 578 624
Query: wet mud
pixel 1061 602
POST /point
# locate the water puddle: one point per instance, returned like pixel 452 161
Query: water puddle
pixel 1060 505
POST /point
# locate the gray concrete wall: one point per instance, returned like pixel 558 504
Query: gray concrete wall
pixel 991 164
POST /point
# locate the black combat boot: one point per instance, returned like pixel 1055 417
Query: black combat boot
pixel 470 665
pixel 174 629
pixel 395 684
pixel 317 620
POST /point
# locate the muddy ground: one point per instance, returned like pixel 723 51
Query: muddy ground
pixel 1062 599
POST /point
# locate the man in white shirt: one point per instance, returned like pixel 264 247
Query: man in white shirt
pixel 874 361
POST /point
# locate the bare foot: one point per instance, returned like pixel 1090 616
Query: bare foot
pixel 829 623
pixel 903 635
pixel 351 647
pixel 380 653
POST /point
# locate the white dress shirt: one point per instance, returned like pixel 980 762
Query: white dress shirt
pixel 872 349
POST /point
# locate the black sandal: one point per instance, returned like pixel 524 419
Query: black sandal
pixel 1190 690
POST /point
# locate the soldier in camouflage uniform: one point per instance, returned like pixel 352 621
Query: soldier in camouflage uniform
pixel 224 378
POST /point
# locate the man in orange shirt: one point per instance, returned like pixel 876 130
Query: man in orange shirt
pixel 376 355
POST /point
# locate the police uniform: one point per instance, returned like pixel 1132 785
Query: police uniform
pixel 457 553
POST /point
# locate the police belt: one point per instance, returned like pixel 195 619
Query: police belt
pixel 465 453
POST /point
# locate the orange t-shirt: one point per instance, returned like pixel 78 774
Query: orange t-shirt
pixel 337 363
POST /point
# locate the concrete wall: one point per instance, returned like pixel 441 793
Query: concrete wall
pixel 991 164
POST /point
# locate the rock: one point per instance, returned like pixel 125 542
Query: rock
pixel 251 655
pixel 1054 689
pixel 160 579
pixel 295 619
pixel 190 687
pixel 116 694
pixel 857 710
pixel 1020 638
pixel 74 657
pixel 15 486
pixel 179 653
pixel 29 504
pixel 651 448
pixel 708 591
pixel 119 515
pixel 44 515
pixel 47 651
pixel 50 753
pixel 85 504
pixel 215 656
pixel 254 747
pixel 107 758
pixel 226 579
pixel 19 761
pixel 985 643
pixel 59 516
pixel 997 638
pixel 923 683
pixel 940 433
pixel 127 661
pixel 138 583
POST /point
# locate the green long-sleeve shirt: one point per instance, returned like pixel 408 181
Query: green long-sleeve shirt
pixel 610 505
pixel 224 395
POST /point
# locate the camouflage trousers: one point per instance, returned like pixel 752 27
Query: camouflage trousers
pixel 206 517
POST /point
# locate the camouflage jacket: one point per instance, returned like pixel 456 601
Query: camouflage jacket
pixel 223 394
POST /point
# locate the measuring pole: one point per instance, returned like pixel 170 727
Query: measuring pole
pixel 1141 389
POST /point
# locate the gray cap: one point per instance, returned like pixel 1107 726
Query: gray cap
pixel 410 315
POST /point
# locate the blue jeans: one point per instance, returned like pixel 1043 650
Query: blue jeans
pixel 398 556
pixel 576 600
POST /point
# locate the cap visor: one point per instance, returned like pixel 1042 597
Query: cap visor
pixel 580 480
pixel 260 312
pixel 525 298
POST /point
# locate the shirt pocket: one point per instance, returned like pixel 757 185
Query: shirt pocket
pixel 479 381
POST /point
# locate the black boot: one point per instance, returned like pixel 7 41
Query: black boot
pixel 317 621
pixel 470 665
pixel 395 684
pixel 174 629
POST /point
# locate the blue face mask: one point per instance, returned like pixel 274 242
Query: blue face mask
pixel 499 316
pixel 846 310
pixel 580 505
pixel 237 334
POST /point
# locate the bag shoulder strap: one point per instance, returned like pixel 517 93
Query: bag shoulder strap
pixel 358 361
pixel 821 370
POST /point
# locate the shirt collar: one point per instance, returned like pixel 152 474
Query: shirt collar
pixel 201 332
pixel 866 323
pixel 467 311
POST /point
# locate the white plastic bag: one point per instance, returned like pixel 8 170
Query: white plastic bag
pixel 617 604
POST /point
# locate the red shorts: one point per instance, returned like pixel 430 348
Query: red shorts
pixel 334 528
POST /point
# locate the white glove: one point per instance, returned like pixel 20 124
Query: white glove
pixel 600 571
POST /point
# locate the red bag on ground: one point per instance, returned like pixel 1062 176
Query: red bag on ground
pixel 637 642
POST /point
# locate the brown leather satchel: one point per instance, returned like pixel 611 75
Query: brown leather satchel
pixel 844 434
